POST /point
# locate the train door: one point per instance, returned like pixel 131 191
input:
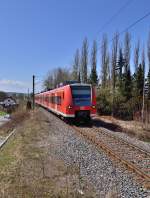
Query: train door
pixel 56 106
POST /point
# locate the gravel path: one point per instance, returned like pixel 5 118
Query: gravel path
pixel 94 164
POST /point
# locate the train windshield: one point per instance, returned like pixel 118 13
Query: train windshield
pixel 81 95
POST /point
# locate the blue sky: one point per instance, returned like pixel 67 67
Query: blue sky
pixel 39 35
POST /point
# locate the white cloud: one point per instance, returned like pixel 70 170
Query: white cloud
pixel 14 85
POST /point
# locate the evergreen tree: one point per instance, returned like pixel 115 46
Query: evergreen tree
pixel 148 84
pixel 143 62
pixel 121 64
pixel 139 80
pixel 93 76
pixel 127 85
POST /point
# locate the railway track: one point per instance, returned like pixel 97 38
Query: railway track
pixel 5 140
pixel 132 157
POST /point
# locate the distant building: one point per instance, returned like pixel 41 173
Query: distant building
pixel 8 102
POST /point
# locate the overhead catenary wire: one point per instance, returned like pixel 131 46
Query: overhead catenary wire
pixel 129 27
pixel 114 16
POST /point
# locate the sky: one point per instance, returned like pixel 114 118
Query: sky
pixel 37 36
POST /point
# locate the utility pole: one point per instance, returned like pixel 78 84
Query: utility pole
pixel 28 93
pixel 33 97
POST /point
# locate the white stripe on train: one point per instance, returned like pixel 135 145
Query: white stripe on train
pixel 63 114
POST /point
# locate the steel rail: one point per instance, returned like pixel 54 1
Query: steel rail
pixel 145 178
pixel 7 138
pixel 121 139
pixel 102 129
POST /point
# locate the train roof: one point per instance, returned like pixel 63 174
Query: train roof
pixel 82 84
pixel 59 88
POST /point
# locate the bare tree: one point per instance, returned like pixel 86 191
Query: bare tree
pixel 76 66
pixel 55 77
pixel 3 95
pixel 104 60
pixel 84 61
pixel 49 81
pixel 136 55
pixel 127 49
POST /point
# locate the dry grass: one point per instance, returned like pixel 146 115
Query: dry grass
pixel 28 168
pixel 132 128
pixel 16 119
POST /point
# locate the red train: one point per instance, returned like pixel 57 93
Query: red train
pixel 70 101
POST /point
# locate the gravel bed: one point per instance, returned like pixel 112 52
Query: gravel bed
pixel 133 140
pixel 94 164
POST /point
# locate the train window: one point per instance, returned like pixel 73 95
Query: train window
pixel 55 99
pixel 52 99
pixel 81 95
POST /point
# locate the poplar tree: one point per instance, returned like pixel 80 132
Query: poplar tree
pixel 148 50
pixel 120 66
pixel 127 47
pixel 127 79
pixel 114 68
pixel 84 61
pixel 104 61
pixel 136 55
pixel 114 60
pixel 148 55
pixel 76 66
pixel 93 76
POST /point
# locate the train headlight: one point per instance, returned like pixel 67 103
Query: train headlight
pixel 69 107
pixel 93 106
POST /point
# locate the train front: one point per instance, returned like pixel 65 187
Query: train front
pixel 83 101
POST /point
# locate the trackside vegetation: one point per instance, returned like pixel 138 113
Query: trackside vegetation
pixel 122 81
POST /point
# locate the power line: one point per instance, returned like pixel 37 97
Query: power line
pixel 130 26
pixel 134 23
pixel 114 16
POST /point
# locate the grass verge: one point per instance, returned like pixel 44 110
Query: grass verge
pixel 28 167
pixel 2 113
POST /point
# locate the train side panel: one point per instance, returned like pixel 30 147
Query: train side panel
pixel 64 102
